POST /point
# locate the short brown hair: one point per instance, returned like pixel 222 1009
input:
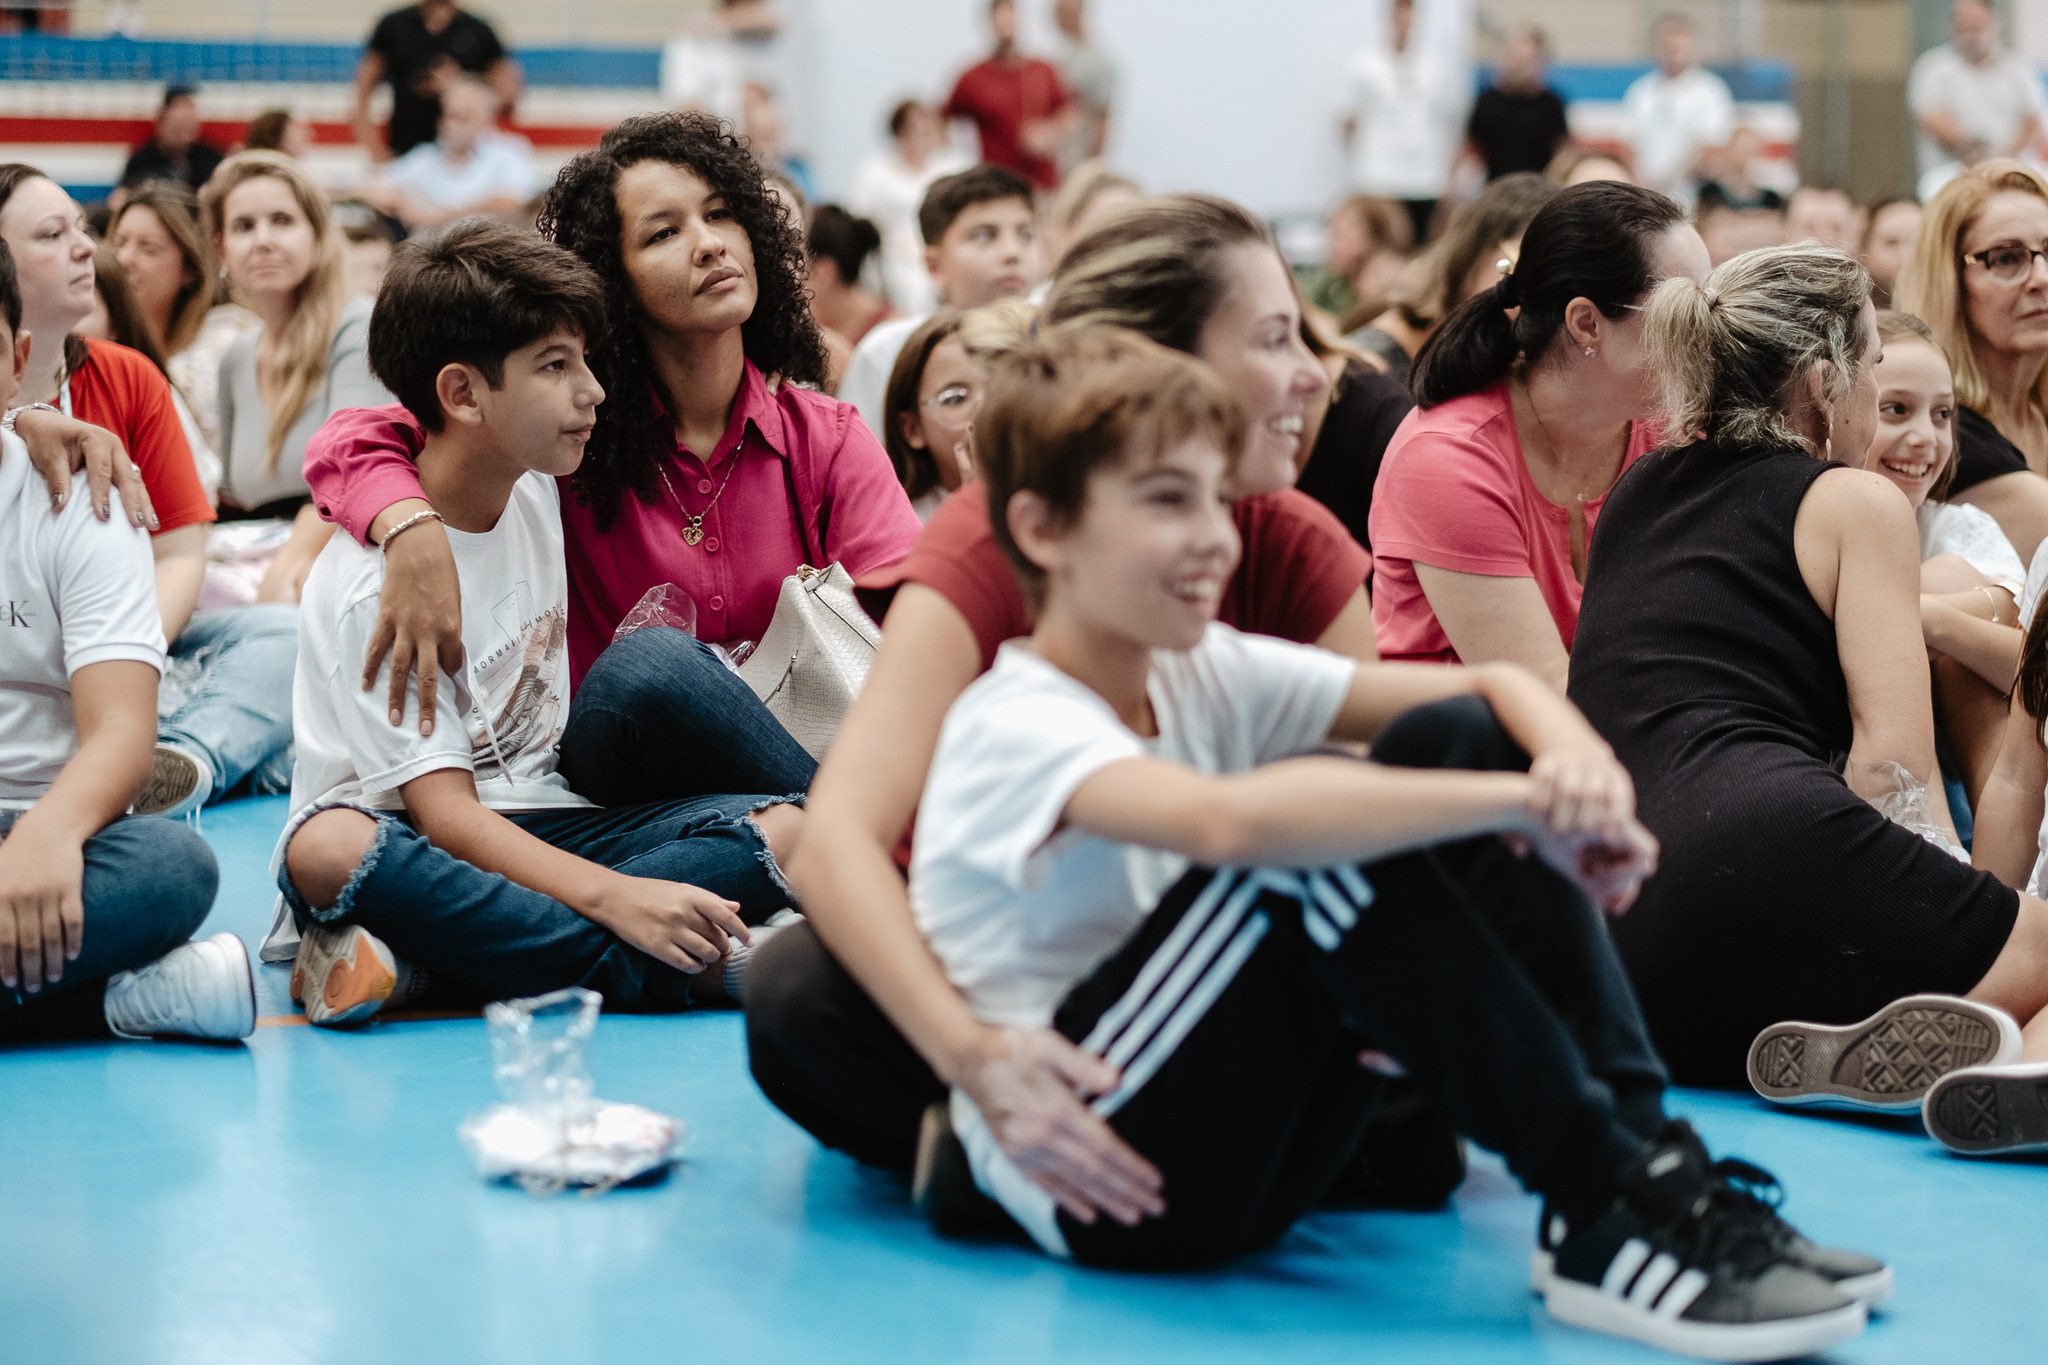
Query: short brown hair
pixel 1059 409
pixel 471 294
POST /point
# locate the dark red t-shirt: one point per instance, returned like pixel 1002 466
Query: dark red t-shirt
pixel 1300 567
pixel 1000 97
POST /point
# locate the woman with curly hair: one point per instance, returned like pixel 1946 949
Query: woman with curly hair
pixel 711 467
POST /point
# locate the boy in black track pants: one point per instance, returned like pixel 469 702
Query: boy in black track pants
pixel 1084 789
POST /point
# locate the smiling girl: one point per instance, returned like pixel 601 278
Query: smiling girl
pixel 1970 578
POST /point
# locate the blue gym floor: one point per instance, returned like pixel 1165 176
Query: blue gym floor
pixel 304 1199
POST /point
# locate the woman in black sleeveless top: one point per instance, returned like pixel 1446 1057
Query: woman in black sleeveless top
pixel 1750 631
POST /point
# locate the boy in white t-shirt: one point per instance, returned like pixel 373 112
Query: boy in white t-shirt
pixel 462 852
pixel 1110 859
pixel 95 905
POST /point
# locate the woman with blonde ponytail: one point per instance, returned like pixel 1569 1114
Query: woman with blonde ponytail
pixel 1751 616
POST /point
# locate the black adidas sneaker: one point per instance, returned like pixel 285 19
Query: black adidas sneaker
pixel 1888 1061
pixel 1864 1278
pixel 1986 1110
pixel 1679 1263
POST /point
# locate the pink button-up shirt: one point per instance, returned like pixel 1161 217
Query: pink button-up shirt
pixel 852 508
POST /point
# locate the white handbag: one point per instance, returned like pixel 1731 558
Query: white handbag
pixel 814 656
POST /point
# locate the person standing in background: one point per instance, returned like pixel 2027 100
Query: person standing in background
pixel 1971 99
pixel 174 151
pixel 419 50
pixel 1518 122
pixel 1091 77
pixel 887 190
pixel 1408 109
pixel 1018 104
pixel 1678 114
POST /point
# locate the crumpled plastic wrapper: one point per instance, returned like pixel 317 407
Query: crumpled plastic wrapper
pixel 665 604
pixel 1906 804
pixel 552 1133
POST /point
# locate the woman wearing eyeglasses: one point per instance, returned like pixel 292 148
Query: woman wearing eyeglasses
pixel 1979 277
pixel 934 392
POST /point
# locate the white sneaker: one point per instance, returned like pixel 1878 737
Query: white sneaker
pixel 179 783
pixel 203 989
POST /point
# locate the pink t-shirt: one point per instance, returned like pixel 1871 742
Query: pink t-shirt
pixel 1454 491
pixel 852 508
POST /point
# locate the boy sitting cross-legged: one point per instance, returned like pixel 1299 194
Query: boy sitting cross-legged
pixel 462 854
pixel 95 906
pixel 1129 857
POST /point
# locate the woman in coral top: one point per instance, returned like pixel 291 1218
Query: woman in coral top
pixel 1531 400
pixel 709 467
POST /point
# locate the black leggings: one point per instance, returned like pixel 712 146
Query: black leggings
pixel 1489 977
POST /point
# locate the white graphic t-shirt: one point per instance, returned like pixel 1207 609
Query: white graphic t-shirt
pixel 500 721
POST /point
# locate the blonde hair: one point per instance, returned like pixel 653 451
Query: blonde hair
pixel 995 329
pixel 1733 351
pixel 1931 284
pixel 177 209
pixel 298 356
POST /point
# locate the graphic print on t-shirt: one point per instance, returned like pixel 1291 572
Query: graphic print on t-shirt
pixel 518 688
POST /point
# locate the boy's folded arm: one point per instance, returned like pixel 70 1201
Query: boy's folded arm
pixel 1302 812
pixel 684 926
pixel 445 808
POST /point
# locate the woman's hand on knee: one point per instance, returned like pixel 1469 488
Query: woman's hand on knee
pixel 42 909
pixel 1032 1087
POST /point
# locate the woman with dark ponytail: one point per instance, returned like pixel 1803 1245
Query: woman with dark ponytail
pixel 1532 400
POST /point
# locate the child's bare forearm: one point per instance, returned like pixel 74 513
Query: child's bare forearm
pixel 445 808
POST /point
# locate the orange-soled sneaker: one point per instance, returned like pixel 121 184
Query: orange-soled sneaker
pixel 344 974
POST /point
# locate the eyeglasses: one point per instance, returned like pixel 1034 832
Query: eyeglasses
pixel 2009 262
pixel 955 399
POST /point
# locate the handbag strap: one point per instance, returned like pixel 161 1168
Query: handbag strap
pixel 812 556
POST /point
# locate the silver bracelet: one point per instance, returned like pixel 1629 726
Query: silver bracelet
pixel 415 519
pixel 7 422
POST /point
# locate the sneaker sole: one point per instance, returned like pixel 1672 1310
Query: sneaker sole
pixel 1872 1291
pixel 1988 1110
pixel 173 781
pixel 349 981
pixel 1588 1307
pixel 1886 1063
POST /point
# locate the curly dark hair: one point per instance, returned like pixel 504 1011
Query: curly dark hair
pixel 581 212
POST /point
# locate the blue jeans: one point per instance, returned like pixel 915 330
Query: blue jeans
pixel 657 727
pixel 659 717
pixel 239 715
pixel 148 884
pixel 496 939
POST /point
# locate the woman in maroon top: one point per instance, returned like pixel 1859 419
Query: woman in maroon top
pixel 1192 272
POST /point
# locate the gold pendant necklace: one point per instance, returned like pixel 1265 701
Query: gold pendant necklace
pixel 694 532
